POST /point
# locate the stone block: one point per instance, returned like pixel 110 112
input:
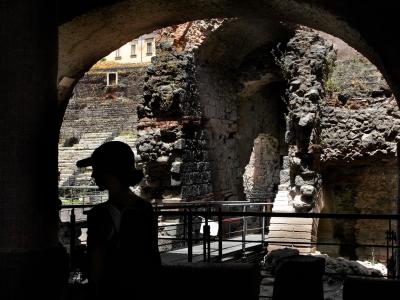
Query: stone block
pixel 176 167
pixel 179 144
pixel 163 160
pixel 307 120
pixel 295 236
pixel 312 94
pixel 284 176
pixel 307 190
pixel 300 205
pixel 175 182
pixel 299 221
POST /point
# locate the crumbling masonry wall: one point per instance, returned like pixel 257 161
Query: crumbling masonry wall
pixel 243 115
pixel 304 64
pixel 219 106
pixel 360 129
pixel 343 126
pixel 172 144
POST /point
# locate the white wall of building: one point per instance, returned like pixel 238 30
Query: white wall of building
pixel 139 50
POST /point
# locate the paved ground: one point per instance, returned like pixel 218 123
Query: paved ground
pixel 230 248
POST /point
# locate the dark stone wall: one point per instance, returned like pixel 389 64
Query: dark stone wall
pixel 29 250
pixel 360 116
pixel 360 124
pixel 218 98
pixel 260 142
pixel 196 177
pixel 368 187
pixel 240 104
pixel 304 63
pixel 172 144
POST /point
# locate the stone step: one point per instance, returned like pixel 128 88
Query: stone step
pixel 282 220
pixel 302 249
pixel 67 164
pixel 96 134
pixel 289 241
pixel 290 227
pixel 285 209
pixel 281 204
pixel 282 196
pixel 283 200
pixel 291 235
pixel 84 148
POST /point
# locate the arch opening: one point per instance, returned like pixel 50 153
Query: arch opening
pixel 230 103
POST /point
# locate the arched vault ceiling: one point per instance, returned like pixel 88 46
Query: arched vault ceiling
pixel 90 31
pixel 236 38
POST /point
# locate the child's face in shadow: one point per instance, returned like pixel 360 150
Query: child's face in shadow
pixel 101 177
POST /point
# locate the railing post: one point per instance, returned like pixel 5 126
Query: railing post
pixel 190 235
pixel 390 261
pixel 387 248
pixel 397 260
pixel 72 238
pixel 185 224
pixel 206 234
pixel 263 227
pixel 220 234
pixel 244 231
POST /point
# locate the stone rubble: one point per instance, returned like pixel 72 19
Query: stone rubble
pixel 336 270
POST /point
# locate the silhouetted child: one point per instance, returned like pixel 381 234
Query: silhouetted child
pixel 122 233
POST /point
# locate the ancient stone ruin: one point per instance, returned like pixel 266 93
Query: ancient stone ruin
pixel 284 118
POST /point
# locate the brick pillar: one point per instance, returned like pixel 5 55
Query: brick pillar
pixel 30 256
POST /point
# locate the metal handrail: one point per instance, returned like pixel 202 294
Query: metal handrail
pixel 208 211
pixel 294 215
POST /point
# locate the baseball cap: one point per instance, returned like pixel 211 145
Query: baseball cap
pixel 114 155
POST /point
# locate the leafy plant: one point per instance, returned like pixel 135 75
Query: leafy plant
pixel 331 86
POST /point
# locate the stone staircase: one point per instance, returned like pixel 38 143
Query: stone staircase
pixel 129 139
pixel 68 156
pixel 288 230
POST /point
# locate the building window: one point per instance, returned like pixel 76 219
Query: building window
pixel 133 49
pixel 149 46
pixel 112 78
pixel 117 54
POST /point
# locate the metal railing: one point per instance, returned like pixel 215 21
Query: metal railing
pixel 211 215
pixel 84 194
pixel 224 212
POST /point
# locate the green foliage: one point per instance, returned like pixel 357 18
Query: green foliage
pixel 352 75
pixel 128 134
pixel 279 58
pixel 331 86
pixel 70 201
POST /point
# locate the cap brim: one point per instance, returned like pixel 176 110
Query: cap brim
pixel 86 162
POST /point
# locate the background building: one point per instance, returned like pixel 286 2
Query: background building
pixel 139 50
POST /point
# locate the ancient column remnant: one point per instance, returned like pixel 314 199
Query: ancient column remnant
pixel 172 144
pixel 262 171
pixel 305 64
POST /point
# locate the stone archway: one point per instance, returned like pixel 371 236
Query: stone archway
pixel 90 36
pixel 28 211
pixel 223 57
